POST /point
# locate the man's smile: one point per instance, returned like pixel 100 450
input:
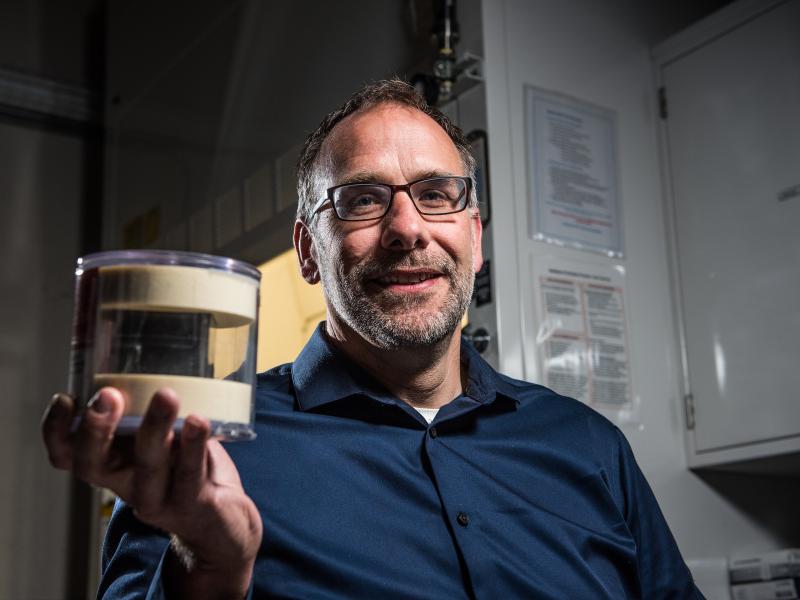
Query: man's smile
pixel 408 280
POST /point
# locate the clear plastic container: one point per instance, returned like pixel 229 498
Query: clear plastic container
pixel 147 319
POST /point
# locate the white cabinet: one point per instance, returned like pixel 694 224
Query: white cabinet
pixel 731 93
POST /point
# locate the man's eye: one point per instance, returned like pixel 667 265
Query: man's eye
pixel 362 204
pixel 433 197
pixel 361 201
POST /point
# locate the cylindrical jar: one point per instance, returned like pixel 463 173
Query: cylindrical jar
pixel 148 319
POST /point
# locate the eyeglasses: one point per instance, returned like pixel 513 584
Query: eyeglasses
pixel 365 201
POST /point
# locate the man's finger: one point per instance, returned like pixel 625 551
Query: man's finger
pixel 190 468
pixel 92 440
pixel 152 455
pixel 221 468
pixel 56 424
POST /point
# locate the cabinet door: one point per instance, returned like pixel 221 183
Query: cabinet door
pixel 733 131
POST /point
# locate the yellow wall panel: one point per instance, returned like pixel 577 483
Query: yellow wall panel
pixel 289 312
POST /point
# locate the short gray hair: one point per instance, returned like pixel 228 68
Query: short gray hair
pixel 311 170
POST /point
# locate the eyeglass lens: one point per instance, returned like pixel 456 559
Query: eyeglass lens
pixel 440 195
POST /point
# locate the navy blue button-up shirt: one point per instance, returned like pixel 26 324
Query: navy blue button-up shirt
pixel 512 492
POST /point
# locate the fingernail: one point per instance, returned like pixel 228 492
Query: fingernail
pixel 192 430
pixel 100 404
pixel 57 400
pixel 56 408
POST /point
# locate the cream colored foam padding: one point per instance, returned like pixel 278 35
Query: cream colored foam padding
pixel 231 298
pixel 215 399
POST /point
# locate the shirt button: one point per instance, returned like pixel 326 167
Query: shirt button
pixel 463 519
pixel 433 432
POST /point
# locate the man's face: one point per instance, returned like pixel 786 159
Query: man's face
pixel 404 280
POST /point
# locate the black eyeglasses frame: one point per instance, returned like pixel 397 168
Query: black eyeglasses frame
pixel 394 188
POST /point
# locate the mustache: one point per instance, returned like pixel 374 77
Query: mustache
pixel 389 262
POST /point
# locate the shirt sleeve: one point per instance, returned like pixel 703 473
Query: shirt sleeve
pixel 133 554
pixel 662 571
pixel 133 559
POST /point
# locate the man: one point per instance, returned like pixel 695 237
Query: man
pixel 391 460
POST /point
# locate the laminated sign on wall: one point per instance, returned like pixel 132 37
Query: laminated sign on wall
pixel 572 173
pixel 582 337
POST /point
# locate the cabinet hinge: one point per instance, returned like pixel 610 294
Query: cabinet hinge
pixel 688 402
pixel 662 102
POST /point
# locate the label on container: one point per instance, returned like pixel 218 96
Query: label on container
pixel 83 329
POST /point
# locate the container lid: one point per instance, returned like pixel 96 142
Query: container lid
pixel 167 257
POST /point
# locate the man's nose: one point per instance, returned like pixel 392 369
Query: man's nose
pixel 403 227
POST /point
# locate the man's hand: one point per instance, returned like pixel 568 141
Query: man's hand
pixel 186 485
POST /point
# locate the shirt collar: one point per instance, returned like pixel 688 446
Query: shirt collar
pixel 322 374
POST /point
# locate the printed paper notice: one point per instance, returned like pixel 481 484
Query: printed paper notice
pixel 582 337
pixel 572 172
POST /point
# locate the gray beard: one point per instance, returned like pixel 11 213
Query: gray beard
pixel 393 322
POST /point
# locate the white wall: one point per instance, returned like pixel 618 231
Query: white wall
pixel 600 52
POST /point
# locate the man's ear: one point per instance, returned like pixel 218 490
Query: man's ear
pixel 477 236
pixel 306 252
